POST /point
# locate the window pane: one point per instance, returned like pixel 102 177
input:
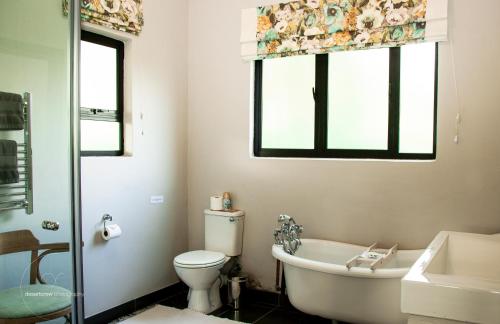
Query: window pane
pixel 416 132
pixel 288 103
pixel 98 76
pixel 100 136
pixel 358 100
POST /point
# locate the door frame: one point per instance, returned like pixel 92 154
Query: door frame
pixel 76 237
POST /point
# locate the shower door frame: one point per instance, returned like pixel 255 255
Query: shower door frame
pixel 76 237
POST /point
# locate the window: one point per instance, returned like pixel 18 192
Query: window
pixel 370 104
pixel 101 99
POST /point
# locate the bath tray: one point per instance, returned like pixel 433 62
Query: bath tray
pixel 372 257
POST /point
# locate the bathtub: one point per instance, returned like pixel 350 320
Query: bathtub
pixel 318 282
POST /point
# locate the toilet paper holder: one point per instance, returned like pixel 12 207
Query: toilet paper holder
pixel 109 230
pixel 106 218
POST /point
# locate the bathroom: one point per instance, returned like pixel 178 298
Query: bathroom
pixel 188 130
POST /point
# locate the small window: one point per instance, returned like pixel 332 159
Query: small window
pixel 358 100
pixel 369 104
pixel 288 107
pixel 101 95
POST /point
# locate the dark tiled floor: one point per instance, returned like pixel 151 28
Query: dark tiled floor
pixel 286 316
pixel 178 301
pixel 262 311
pixel 248 314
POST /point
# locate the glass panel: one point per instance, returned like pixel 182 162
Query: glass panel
pixel 288 103
pixel 100 136
pixel 358 100
pixel 98 76
pixel 34 58
pixel 416 131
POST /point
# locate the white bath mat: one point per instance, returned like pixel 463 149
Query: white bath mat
pixel 167 315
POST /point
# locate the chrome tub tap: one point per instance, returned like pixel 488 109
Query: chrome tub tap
pixel 288 234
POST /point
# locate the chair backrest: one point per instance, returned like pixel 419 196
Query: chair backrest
pixel 21 241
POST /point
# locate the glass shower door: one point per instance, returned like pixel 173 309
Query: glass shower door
pixel 35 40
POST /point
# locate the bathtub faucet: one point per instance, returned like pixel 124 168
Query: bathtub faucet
pixel 288 235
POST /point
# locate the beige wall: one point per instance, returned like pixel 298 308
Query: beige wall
pixel 352 201
pixel 140 261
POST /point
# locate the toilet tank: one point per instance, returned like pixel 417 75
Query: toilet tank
pixel 224 231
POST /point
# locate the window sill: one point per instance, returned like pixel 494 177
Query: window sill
pixel 101 155
pixel 253 157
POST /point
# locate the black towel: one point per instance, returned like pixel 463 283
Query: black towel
pixel 11 111
pixel 8 162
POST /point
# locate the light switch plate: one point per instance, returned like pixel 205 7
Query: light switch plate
pixel 156 200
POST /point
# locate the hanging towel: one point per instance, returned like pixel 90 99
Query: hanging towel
pixel 11 111
pixel 8 162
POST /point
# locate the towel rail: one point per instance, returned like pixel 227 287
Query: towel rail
pixel 12 187
pixel 13 208
pixel 24 154
pixel 13 202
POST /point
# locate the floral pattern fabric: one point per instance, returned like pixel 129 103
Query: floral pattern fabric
pixel 320 26
pixel 122 15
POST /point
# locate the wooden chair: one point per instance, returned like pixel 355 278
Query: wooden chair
pixel 37 302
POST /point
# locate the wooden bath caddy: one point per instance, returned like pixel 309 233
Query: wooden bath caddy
pixel 372 258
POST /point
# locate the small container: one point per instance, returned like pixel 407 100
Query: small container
pixel 237 284
pixel 226 201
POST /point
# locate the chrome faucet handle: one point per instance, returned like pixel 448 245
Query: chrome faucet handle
pixel 288 235
pixel 284 219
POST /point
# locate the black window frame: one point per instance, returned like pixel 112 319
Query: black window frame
pixel 99 113
pixel 320 93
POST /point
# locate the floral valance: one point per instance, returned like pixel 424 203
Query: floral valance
pixel 122 15
pixel 304 27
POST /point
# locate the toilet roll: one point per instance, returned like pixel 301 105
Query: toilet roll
pixel 216 203
pixel 111 231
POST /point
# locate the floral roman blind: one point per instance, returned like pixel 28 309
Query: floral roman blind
pixel 304 27
pixel 122 15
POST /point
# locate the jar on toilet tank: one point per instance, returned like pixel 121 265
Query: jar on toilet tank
pixel 226 201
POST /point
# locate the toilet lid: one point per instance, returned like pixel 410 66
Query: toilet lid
pixel 200 258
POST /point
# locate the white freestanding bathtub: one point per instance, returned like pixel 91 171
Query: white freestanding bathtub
pixel 319 283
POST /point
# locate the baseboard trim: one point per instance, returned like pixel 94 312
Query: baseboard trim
pixel 136 304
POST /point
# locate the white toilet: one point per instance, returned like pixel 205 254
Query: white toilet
pixel 200 269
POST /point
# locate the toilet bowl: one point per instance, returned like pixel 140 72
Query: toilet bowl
pixel 200 271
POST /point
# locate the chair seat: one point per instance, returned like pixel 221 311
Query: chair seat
pixel 33 300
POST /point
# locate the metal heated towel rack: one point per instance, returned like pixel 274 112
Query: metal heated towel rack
pixel 20 195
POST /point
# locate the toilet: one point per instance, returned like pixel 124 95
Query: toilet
pixel 200 270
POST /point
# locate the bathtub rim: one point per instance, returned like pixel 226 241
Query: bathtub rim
pixel 332 268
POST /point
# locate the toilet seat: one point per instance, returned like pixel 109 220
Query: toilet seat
pixel 199 259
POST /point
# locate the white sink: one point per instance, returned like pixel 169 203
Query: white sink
pixel 457 278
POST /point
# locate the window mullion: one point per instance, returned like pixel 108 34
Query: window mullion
pixel 394 101
pixel 436 82
pixel 257 143
pixel 321 104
